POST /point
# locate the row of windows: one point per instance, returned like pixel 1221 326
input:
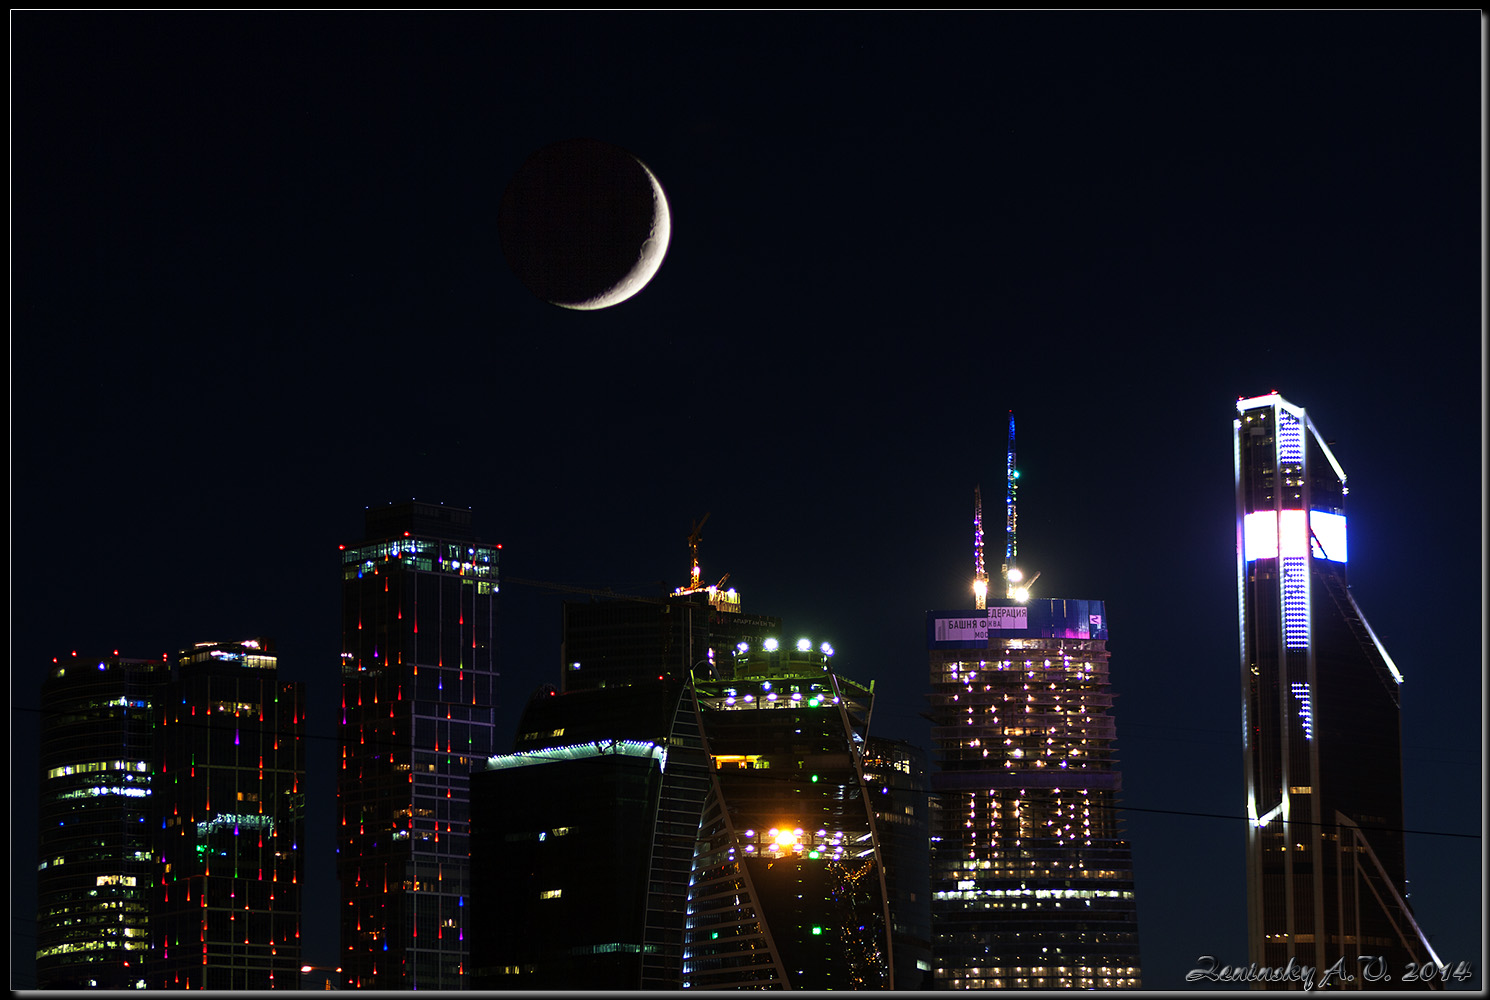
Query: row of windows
pixel 101 765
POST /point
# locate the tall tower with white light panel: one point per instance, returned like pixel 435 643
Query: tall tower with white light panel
pixel 1321 722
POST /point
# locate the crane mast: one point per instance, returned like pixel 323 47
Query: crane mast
pixel 695 575
pixel 980 572
pixel 1011 525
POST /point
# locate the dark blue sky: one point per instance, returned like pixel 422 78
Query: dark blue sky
pixel 257 287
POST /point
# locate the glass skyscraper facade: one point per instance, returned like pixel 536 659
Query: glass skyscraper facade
pixel 582 841
pixel 418 670
pixel 1032 881
pixel 899 792
pixel 615 642
pixel 229 814
pixel 96 865
pixel 1326 875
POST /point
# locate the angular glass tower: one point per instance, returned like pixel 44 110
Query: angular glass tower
pixel 229 812
pixel 97 866
pixel 1031 879
pixel 1321 726
pixel 419 668
pixel 789 884
pixel 582 842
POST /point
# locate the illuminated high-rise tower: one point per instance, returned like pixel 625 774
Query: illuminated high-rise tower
pixel 1321 724
pixel 789 887
pixel 419 668
pixel 97 866
pixel 229 815
pixel 1031 879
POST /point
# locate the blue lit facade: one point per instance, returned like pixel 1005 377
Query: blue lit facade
pixel 1326 874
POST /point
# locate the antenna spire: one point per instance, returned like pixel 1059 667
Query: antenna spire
pixel 1018 589
pixel 980 572
pixel 1011 524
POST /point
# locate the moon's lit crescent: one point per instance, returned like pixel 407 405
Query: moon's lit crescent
pixel 649 255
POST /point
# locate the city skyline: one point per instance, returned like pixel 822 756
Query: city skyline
pixel 251 256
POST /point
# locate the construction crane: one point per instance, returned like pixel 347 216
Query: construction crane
pixel 695 575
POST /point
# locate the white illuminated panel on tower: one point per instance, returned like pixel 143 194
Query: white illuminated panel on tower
pixel 1327 539
pixel 1324 535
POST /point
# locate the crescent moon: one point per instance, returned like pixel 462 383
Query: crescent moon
pixel 649 255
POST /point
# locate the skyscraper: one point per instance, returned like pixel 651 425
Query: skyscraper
pixel 582 841
pixel 693 630
pixel 1032 881
pixel 895 776
pixel 419 668
pixel 612 643
pixel 97 866
pixel 1326 876
pixel 229 815
pixel 788 883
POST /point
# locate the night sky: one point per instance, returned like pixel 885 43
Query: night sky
pixel 257 288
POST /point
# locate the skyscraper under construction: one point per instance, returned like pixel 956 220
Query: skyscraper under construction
pixel 1032 881
pixel 1326 876
pixel 789 883
pixel 419 667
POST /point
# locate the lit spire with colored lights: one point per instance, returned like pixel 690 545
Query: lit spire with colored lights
pixel 980 572
pixel 1016 587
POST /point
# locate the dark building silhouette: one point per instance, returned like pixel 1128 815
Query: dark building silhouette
pixel 789 880
pixel 97 866
pixel 614 642
pixel 582 841
pixel 1326 877
pixel 419 668
pixel 228 813
pixel 1032 881
pixel 895 776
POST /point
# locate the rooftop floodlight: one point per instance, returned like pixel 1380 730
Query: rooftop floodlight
pixel 743 647
pixel 803 645
pixel 827 649
pixel 769 645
